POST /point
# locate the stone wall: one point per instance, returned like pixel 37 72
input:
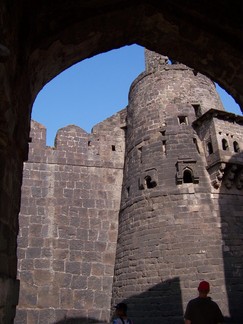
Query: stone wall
pixel 68 222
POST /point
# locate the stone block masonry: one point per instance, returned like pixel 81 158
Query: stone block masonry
pixel 68 222
pixel 170 229
pixel 138 211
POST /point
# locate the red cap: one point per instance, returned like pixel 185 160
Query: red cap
pixel 203 286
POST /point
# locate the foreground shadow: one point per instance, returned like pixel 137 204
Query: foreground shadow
pixel 161 304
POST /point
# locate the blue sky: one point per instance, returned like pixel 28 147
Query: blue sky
pixel 93 90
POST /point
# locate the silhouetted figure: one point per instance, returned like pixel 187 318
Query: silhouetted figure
pixel 202 310
pixel 121 315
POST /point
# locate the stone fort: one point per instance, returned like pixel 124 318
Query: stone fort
pixel 40 39
pixel 139 211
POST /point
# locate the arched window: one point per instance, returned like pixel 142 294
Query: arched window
pixel 187 176
pixel 209 148
pixel 236 146
pixel 225 145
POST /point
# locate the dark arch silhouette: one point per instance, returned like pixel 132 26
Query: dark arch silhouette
pixel 41 39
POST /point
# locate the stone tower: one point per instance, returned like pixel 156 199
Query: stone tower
pixel 173 222
pixel 140 210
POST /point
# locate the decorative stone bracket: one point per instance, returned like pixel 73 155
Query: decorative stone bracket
pixel 234 174
pixel 229 173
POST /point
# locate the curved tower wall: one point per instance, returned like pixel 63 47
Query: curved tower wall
pixel 169 234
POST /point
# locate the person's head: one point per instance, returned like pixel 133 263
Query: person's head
pixel 203 288
pixel 121 309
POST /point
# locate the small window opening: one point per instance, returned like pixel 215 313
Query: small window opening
pixel 209 148
pixel 128 191
pixel 113 147
pixel 187 176
pixel 196 144
pixel 164 146
pixel 89 143
pixel 197 109
pixel 236 146
pixel 140 150
pixel 182 120
pixel 149 183
pixel 225 145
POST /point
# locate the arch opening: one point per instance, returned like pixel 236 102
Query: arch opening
pixel 225 145
pixel 187 176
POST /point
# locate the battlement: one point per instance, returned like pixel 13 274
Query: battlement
pixel 104 146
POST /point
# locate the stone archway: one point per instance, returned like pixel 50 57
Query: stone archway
pixel 41 39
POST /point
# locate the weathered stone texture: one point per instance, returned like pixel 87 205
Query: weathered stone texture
pixel 68 221
pixel 170 225
pixel 179 205
pixel 41 39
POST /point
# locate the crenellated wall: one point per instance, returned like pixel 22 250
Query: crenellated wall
pixel 68 222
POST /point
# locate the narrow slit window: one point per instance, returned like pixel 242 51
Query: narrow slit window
pixel 164 146
pixel 113 147
pixel 140 150
pixel 127 191
pixel 196 144
pixel 209 148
